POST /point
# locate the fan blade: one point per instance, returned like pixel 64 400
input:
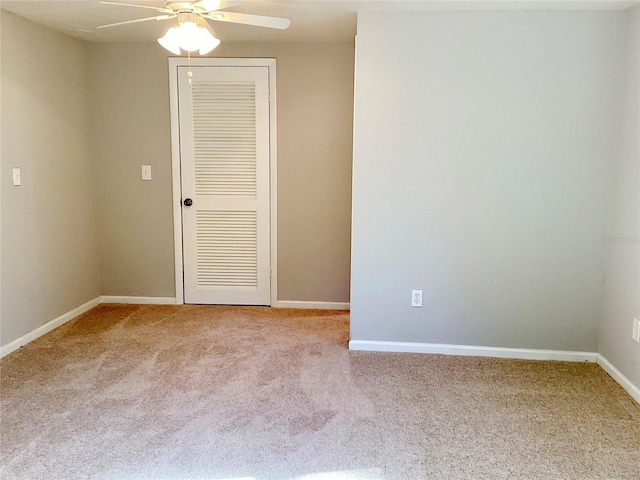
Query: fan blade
pixel 157 9
pixel 159 17
pixel 256 20
pixel 212 5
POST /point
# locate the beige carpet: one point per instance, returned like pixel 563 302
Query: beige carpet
pixel 209 393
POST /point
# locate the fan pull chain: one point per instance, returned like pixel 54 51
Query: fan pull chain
pixel 189 73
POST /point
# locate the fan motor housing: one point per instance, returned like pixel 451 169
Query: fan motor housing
pixel 180 5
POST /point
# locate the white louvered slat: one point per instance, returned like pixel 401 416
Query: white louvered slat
pixel 227 248
pixel 224 133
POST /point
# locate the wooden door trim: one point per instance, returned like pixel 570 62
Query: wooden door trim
pixel 174 63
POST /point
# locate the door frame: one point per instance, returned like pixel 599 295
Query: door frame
pixel 174 63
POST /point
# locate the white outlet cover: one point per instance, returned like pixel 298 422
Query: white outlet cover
pixel 416 298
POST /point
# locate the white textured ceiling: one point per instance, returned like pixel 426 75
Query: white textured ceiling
pixel 311 20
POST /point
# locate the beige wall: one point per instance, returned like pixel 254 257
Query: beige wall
pixel 49 236
pixel 131 126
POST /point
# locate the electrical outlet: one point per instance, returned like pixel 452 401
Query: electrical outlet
pixel 636 330
pixel 416 298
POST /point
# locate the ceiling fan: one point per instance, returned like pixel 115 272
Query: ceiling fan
pixel 192 32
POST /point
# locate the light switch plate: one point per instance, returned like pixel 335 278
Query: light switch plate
pixel 636 330
pixel 16 177
pixel 146 172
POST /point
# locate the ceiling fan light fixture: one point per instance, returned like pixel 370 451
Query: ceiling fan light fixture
pixel 171 40
pixel 208 39
pixel 191 33
pixel 189 38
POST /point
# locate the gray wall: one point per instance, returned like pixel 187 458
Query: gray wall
pixel 131 126
pixel 49 230
pixel 482 152
pixel 622 294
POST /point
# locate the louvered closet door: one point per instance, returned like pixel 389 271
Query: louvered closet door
pixel 224 148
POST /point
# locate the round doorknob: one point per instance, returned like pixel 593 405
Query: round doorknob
pixel 188 202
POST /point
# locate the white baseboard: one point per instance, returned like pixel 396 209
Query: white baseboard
pixel 619 377
pixel 139 300
pixel 473 351
pixel 312 305
pixel 47 327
